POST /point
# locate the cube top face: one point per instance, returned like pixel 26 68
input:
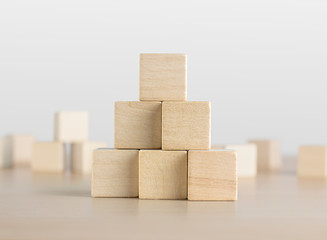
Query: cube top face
pixel 186 125
pixel 71 126
pixel 162 77
pixel 138 125
pixel 48 157
pixel 312 161
pixel 212 175
pixel 115 173
pixel 163 174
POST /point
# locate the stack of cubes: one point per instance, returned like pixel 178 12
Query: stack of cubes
pixel 71 127
pixel 162 142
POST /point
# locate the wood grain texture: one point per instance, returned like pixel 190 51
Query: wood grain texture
pixel 19 149
pixel 163 174
pixel 71 126
pixel 269 156
pixel 82 156
pixel 312 162
pixel 48 157
pixel 138 125
pixel 246 158
pixel 186 125
pixel 115 173
pixel 162 77
pixel 212 175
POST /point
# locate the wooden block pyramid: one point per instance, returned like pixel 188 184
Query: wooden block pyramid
pixel 162 142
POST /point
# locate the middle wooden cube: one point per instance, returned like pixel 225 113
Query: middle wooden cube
pixel 185 125
pixel 138 125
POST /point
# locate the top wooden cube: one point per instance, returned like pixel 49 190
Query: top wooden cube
pixel 162 77
pixel 71 126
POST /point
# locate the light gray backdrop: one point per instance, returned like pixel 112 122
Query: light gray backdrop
pixel 262 64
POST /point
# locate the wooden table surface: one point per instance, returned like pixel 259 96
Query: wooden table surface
pixel 271 206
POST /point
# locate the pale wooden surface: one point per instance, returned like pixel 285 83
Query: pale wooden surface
pixel 138 125
pixel 312 161
pixel 71 126
pixel 162 77
pixel 82 155
pixel 212 175
pixel 269 155
pixel 270 207
pixel 48 157
pixel 246 158
pixel 163 174
pixel 186 125
pixel 115 173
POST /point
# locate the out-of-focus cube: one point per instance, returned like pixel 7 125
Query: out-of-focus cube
pixel 71 126
pixel 246 158
pixel 18 149
pixel 82 156
pixel 48 157
pixel 269 156
pixel 312 162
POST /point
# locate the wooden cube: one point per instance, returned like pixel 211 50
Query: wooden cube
pixel 185 125
pixel 163 174
pixel 48 157
pixel 115 173
pixel 269 156
pixel 19 149
pixel 212 175
pixel 82 156
pixel 162 77
pixel 138 125
pixel 246 156
pixel 5 160
pixel 71 126
pixel 312 162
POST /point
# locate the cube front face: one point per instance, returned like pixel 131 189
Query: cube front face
pixel 82 155
pixel 163 174
pixel 312 162
pixel 138 125
pixel 186 125
pixel 162 77
pixel 115 173
pixel 269 157
pixel 71 126
pixel 48 157
pixel 212 175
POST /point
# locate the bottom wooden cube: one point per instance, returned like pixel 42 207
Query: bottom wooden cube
pixel 82 156
pixel 212 175
pixel 163 174
pixel 48 157
pixel 246 158
pixel 115 173
pixel 312 162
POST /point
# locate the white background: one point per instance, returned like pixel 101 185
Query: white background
pixel 262 64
